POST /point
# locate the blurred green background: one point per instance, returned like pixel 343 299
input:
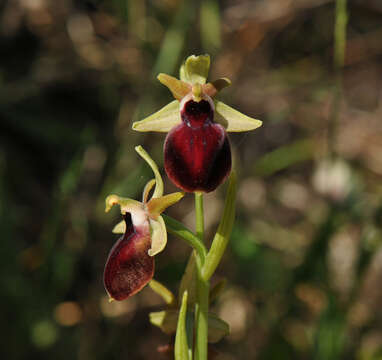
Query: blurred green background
pixel 304 266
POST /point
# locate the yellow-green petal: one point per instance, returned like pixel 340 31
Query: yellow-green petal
pixel 119 228
pixel 147 189
pixel 157 205
pixel 212 88
pixel 178 88
pixel 234 120
pixel 161 121
pixel 195 69
pixel 127 205
pixel 158 236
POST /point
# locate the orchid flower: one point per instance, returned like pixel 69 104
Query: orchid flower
pixel 130 264
pixel 197 152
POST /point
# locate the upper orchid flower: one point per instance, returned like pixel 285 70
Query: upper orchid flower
pixel 130 264
pixel 197 154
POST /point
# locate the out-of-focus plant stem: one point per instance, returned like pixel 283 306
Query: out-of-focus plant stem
pixel 338 62
pixel 201 307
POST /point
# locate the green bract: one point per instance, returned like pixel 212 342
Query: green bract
pixel 193 77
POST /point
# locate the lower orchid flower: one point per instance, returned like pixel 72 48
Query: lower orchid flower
pixel 130 264
pixel 197 153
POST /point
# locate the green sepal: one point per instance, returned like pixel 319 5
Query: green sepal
pixel 179 89
pixel 161 121
pixel 163 292
pixel 167 321
pixel 195 69
pixel 221 238
pixel 158 192
pixel 158 236
pixel 181 343
pixel 233 120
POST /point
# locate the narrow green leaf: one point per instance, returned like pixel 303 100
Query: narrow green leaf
pixel 223 233
pixel 161 121
pixel 181 345
pixel 234 120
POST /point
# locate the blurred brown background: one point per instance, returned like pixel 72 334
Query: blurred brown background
pixel 304 266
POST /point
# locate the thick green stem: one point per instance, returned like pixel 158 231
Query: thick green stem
pixel 202 302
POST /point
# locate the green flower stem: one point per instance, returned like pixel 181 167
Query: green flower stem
pixel 199 213
pixel 176 228
pixel 202 302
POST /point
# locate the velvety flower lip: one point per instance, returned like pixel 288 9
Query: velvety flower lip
pixel 129 267
pixel 197 152
pixel 130 263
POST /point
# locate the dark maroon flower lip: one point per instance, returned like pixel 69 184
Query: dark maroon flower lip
pixel 129 267
pixel 197 151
